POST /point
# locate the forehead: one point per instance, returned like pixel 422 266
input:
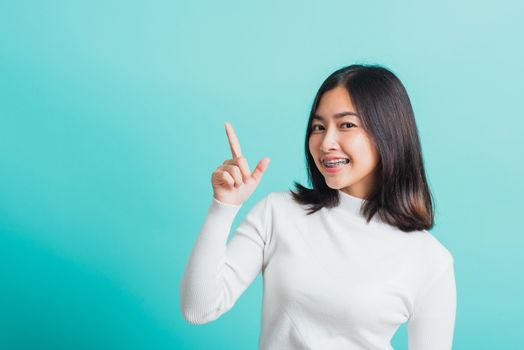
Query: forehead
pixel 334 102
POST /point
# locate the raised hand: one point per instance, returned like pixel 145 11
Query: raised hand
pixel 232 181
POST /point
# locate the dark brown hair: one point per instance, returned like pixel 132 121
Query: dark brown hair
pixel 401 197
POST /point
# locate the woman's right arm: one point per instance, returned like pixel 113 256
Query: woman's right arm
pixel 218 271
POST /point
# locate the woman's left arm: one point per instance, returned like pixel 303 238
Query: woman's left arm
pixel 431 325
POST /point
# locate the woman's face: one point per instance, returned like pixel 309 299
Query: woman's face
pixel 337 133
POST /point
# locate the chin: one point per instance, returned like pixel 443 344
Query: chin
pixel 336 185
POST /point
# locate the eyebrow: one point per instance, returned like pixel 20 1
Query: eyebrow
pixel 338 115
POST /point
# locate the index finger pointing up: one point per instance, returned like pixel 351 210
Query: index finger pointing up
pixel 233 141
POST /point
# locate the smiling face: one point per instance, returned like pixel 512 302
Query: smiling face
pixel 338 133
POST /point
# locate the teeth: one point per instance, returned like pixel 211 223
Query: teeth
pixel 335 162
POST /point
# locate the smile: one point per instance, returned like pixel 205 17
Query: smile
pixel 335 166
pixel 335 162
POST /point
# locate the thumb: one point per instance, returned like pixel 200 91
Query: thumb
pixel 260 169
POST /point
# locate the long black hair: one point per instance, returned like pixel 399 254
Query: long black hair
pixel 401 196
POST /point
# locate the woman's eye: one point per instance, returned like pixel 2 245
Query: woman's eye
pixel 349 124
pixel 318 127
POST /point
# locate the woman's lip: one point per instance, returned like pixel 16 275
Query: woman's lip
pixel 335 169
pixel 332 158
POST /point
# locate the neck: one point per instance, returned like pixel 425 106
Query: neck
pixel 349 203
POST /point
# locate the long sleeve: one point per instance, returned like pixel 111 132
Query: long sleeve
pixel 432 323
pixel 218 271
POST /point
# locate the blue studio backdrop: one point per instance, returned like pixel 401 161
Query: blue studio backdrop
pixel 112 120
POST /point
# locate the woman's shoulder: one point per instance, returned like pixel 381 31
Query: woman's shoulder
pixel 280 196
pixel 282 200
pixel 278 203
pixel 273 202
pixel 432 250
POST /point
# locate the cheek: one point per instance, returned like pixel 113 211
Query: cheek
pixel 371 150
pixel 360 148
pixel 368 151
pixel 313 149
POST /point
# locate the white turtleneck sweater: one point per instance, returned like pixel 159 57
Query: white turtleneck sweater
pixel 331 280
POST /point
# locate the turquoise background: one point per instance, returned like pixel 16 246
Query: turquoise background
pixel 111 123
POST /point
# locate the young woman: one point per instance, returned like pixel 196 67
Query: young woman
pixel 344 262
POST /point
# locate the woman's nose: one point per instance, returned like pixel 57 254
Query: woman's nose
pixel 330 140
